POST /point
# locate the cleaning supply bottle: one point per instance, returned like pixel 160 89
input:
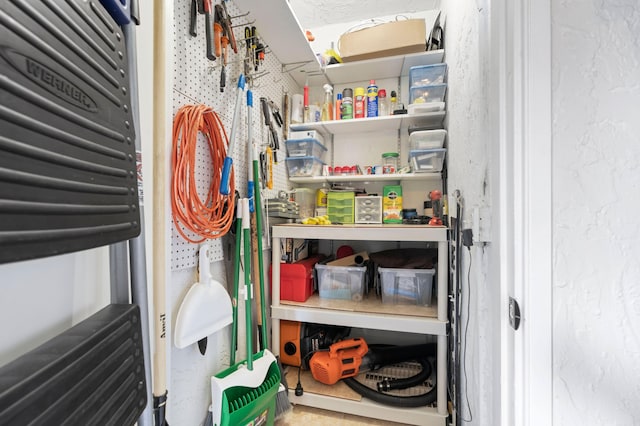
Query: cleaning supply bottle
pixel 383 103
pixel 347 104
pixel 359 103
pixel 338 113
pixel 327 106
pixel 394 102
pixel 372 99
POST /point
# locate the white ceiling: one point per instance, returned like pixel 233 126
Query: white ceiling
pixel 317 13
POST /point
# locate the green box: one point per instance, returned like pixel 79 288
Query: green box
pixel 341 206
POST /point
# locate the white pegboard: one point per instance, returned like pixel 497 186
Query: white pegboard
pixel 196 81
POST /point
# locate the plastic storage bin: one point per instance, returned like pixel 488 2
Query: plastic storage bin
pixel 340 206
pixel 427 160
pixel 341 282
pixel 368 209
pixel 406 286
pixel 306 200
pixel 307 134
pixel 304 166
pixel 305 148
pixel 423 75
pixel 426 94
pixel 427 139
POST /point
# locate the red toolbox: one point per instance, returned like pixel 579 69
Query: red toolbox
pixel 296 279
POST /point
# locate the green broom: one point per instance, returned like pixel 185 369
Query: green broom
pixel 282 399
pixel 245 393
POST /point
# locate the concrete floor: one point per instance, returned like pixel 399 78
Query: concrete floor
pixel 309 416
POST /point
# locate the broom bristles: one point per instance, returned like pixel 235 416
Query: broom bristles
pixel 283 405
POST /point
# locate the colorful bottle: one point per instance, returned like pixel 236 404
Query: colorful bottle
pixel 347 104
pixel 338 114
pixel 359 103
pixel 372 99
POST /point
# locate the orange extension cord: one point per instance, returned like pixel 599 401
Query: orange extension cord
pixel 213 217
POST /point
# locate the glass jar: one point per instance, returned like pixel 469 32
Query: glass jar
pixel 390 162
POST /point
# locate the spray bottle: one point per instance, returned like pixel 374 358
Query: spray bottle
pixel 372 99
pixel 327 106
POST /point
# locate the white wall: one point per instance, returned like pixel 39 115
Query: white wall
pixel 596 152
pixel 471 170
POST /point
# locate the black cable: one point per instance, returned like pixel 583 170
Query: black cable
pixel 464 349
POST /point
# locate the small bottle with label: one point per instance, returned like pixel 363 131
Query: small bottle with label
pixel 338 114
pixel 359 103
pixel 347 104
pixel 372 99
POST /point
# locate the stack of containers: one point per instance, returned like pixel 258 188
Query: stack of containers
pixel 306 151
pixel 427 89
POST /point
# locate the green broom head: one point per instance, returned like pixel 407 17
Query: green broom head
pixel 241 396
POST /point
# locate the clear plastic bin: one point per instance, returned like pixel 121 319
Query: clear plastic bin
pixel 304 166
pixel 426 94
pixel 306 200
pixel 427 139
pixel 406 286
pixel 427 160
pixel 423 75
pixel 305 148
pixel 307 134
pixel 341 282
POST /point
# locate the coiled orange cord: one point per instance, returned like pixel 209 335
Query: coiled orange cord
pixel 213 217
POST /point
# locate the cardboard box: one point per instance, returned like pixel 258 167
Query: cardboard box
pixel 392 38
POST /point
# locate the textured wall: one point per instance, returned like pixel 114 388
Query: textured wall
pixel 469 166
pixel 596 297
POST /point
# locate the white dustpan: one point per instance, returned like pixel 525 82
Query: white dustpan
pixel 205 309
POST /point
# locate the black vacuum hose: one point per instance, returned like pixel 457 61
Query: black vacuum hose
pixel 387 385
pixel 396 401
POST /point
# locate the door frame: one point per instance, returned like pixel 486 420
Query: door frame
pixel 521 34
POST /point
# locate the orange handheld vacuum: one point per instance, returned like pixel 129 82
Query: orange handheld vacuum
pixel 341 361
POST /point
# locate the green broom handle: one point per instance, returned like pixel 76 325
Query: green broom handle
pixel 258 206
pixel 236 282
pixel 247 280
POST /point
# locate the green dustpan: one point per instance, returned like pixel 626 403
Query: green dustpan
pixel 245 393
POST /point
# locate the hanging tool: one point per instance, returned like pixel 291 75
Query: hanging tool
pixel 225 21
pixel 208 25
pixel 266 113
pixel 193 18
pixel 248 58
pixel 228 161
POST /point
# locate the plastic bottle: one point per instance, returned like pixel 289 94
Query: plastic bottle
pixel 394 102
pixel 372 99
pixel 359 103
pixel 347 104
pixel 327 106
pixel 338 114
pixel 383 103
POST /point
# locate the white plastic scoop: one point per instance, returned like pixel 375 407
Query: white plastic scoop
pixel 205 309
